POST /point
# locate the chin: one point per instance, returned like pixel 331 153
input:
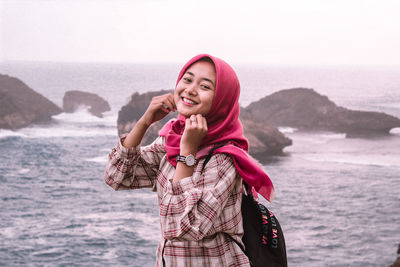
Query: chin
pixel 185 112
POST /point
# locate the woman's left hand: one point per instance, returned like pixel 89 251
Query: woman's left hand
pixel 195 130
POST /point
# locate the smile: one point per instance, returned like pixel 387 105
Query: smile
pixel 188 101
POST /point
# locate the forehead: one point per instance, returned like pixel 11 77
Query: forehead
pixel 202 68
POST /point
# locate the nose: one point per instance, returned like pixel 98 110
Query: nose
pixel 191 89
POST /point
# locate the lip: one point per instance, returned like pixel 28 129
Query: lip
pixel 187 103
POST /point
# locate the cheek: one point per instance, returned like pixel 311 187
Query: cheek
pixel 176 94
pixel 208 98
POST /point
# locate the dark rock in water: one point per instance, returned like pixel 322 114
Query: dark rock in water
pixel 264 139
pixel 72 100
pixel 306 109
pixel 21 106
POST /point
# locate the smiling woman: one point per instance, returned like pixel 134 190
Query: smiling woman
pixel 194 93
pixel 199 205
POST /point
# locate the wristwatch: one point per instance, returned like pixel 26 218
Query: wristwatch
pixel 189 160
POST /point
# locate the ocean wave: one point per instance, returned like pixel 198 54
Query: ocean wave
pixel 83 116
pixel 149 227
pixel 58 131
pixel 78 124
pixel 395 131
pixel 9 133
pixel 287 129
pixel 318 137
pixel 101 159
pixel 331 136
pixel 66 131
pixel 23 171
pixel 370 159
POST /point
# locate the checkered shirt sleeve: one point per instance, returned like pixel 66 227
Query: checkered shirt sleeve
pixel 135 167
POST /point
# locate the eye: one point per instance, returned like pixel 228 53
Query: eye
pixel 204 86
pixel 186 79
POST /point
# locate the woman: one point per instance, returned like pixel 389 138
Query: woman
pixel 200 210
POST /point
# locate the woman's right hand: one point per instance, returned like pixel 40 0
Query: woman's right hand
pixel 158 108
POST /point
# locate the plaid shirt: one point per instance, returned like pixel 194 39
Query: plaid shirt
pixel 197 213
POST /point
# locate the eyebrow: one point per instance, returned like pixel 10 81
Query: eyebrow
pixel 206 79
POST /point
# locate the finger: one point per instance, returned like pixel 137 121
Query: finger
pixel 168 104
pixel 159 98
pixel 205 124
pixel 172 99
pixel 201 121
pixel 156 104
pixel 163 108
pixel 193 119
pixel 188 123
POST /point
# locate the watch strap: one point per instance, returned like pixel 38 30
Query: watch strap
pixel 180 158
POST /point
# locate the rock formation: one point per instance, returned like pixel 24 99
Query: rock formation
pixel 21 106
pixel 72 100
pixel 264 139
pixel 306 109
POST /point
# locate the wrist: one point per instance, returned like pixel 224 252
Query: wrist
pixel 188 151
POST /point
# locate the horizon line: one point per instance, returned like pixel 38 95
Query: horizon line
pixel 180 63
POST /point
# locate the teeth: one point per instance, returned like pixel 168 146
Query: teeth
pixel 188 101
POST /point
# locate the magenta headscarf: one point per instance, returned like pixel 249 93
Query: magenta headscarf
pixel 224 128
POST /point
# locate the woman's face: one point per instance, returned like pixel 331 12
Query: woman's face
pixel 195 91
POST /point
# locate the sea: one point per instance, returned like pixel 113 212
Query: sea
pixel 337 198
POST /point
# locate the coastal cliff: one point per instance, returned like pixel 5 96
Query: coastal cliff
pixel 305 109
pixel 72 100
pixel 21 106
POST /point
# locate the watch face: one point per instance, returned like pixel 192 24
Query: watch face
pixel 190 161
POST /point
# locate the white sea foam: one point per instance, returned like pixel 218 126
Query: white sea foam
pixel 58 131
pixel 101 159
pixel 287 130
pixel 83 116
pixel 317 137
pixel 9 133
pixel 395 131
pixel 8 233
pixel 323 138
pixel 23 170
pixel 78 124
pixel 66 131
pixel 330 136
pixel 366 159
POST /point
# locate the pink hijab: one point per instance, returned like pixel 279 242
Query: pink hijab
pixel 224 128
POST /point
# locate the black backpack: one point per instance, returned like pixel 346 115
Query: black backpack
pixel 263 236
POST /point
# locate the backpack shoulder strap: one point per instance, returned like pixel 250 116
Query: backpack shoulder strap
pixel 208 157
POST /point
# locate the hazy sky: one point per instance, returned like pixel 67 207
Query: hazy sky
pixel 277 31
